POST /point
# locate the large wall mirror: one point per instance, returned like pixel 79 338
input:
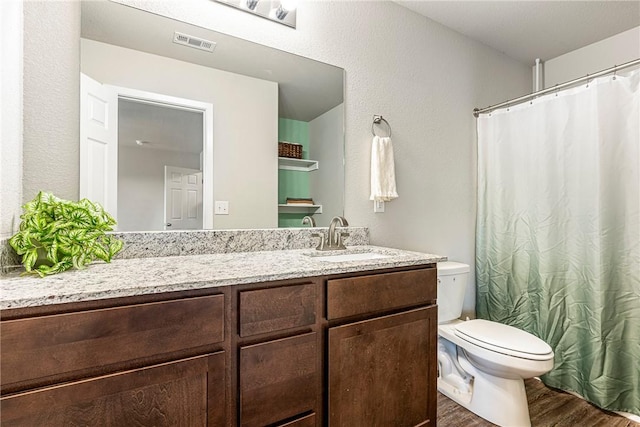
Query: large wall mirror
pixel 180 126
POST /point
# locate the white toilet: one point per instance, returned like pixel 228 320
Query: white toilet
pixel 482 364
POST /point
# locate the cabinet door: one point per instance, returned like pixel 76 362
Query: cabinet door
pixel 279 379
pixel 382 372
pixel 188 392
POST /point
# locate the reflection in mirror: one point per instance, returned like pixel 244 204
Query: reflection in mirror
pixel 152 138
pixel 177 137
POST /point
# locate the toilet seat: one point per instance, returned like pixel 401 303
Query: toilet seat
pixel 503 339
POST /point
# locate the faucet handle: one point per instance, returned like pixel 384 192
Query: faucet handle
pixel 339 236
pixel 309 220
pixel 321 243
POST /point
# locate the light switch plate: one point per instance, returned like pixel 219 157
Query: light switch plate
pixel 222 207
pixel 378 206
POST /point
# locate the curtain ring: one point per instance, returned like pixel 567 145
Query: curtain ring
pixel 378 120
pixel 615 69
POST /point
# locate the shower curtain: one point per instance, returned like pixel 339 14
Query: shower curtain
pixel 558 232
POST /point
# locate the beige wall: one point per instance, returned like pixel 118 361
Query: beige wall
pixel 51 98
pixel 11 13
pixel 250 186
pixel 615 50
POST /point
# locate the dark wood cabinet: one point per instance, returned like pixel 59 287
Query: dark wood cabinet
pixel 369 294
pixel 382 371
pixel 187 392
pixel 280 354
pixel 278 379
pixel 276 309
pixel 154 363
pixel 382 342
pixel 342 350
pixel 47 349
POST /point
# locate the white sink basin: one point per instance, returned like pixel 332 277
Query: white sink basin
pixel 350 257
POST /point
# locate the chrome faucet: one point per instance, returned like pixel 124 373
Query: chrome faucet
pixel 334 240
pixel 335 236
pixel 309 220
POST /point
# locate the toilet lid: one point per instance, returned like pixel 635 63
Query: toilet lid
pixel 503 339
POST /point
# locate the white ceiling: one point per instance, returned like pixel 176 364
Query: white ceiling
pixel 162 128
pixel 526 30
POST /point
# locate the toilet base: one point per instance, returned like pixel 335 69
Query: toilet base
pixel 501 401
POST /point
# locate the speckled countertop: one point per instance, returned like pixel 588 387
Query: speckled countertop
pixel 142 276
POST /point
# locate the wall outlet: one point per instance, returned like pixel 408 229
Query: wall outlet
pixel 222 208
pixel 378 206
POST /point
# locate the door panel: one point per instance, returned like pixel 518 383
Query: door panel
pixel 99 144
pixel 183 198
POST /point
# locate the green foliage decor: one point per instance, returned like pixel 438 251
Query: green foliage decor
pixel 57 234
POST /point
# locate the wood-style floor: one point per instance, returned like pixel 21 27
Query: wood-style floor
pixel 547 407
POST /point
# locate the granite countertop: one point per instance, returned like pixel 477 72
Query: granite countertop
pixel 142 276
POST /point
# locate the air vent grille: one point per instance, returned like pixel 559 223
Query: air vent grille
pixel 195 42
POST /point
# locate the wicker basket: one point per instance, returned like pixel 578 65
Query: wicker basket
pixel 289 149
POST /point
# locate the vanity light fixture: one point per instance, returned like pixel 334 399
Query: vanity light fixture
pixel 251 4
pixel 284 8
pixel 280 11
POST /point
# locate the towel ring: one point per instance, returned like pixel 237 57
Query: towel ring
pixel 378 120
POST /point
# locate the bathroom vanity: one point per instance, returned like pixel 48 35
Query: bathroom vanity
pixel 286 340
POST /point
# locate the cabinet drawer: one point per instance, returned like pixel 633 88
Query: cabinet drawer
pixel 279 379
pixel 275 309
pixel 188 392
pixel 43 348
pixel 380 292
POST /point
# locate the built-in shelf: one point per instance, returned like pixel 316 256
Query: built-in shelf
pixel 303 165
pixel 300 208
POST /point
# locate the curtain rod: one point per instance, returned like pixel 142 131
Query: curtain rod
pixel 478 111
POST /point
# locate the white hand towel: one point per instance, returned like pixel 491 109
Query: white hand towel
pixel 383 174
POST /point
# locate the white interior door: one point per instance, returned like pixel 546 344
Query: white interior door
pixel 99 144
pixel 182 198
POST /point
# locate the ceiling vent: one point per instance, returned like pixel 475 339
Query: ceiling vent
pixel 191 41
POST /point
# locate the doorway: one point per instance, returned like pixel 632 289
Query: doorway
pixel 127 136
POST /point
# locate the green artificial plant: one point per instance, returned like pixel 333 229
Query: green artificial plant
pixel 57 234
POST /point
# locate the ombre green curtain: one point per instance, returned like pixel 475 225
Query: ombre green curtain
pixel 558 233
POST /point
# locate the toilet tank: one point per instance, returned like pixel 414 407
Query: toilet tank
pixel 452 284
